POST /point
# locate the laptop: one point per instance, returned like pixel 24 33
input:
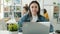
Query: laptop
pixel 36 27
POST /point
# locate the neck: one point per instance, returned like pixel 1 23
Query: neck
pixel 34 15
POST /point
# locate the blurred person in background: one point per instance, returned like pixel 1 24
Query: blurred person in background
pixel 25 10
pixel 46 14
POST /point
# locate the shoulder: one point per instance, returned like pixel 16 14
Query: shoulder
pixel 23 18
pixel 42 18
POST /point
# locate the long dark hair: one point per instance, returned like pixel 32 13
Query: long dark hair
pixel 26 8
pixel 38 13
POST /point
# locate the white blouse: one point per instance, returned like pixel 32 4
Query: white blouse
pixel 34 18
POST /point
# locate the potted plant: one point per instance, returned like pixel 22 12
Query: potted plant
pixel 13 28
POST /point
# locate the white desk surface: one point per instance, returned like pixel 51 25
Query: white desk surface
pixel 21 33
pixel 7 32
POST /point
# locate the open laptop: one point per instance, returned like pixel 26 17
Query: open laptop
pixel 36 28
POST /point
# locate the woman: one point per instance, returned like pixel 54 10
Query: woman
pixel 33 15
pixel 25 10
pixel 46 14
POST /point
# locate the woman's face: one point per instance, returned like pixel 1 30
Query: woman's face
pixel 34 8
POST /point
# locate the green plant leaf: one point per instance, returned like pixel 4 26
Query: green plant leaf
pixel 13 27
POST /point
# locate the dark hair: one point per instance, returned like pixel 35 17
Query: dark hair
pixel 26 8
pixel 45 11
pixel 38 13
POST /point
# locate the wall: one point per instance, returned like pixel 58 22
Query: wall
pixel 48 5
pixel 50 12
pixel 2 13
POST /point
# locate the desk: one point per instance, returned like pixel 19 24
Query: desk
pixel 4 32
pixel 50 33
pixel 7 32
pixel 21 33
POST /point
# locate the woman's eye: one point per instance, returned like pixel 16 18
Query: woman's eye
pixel 35 6
pixel 32 6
